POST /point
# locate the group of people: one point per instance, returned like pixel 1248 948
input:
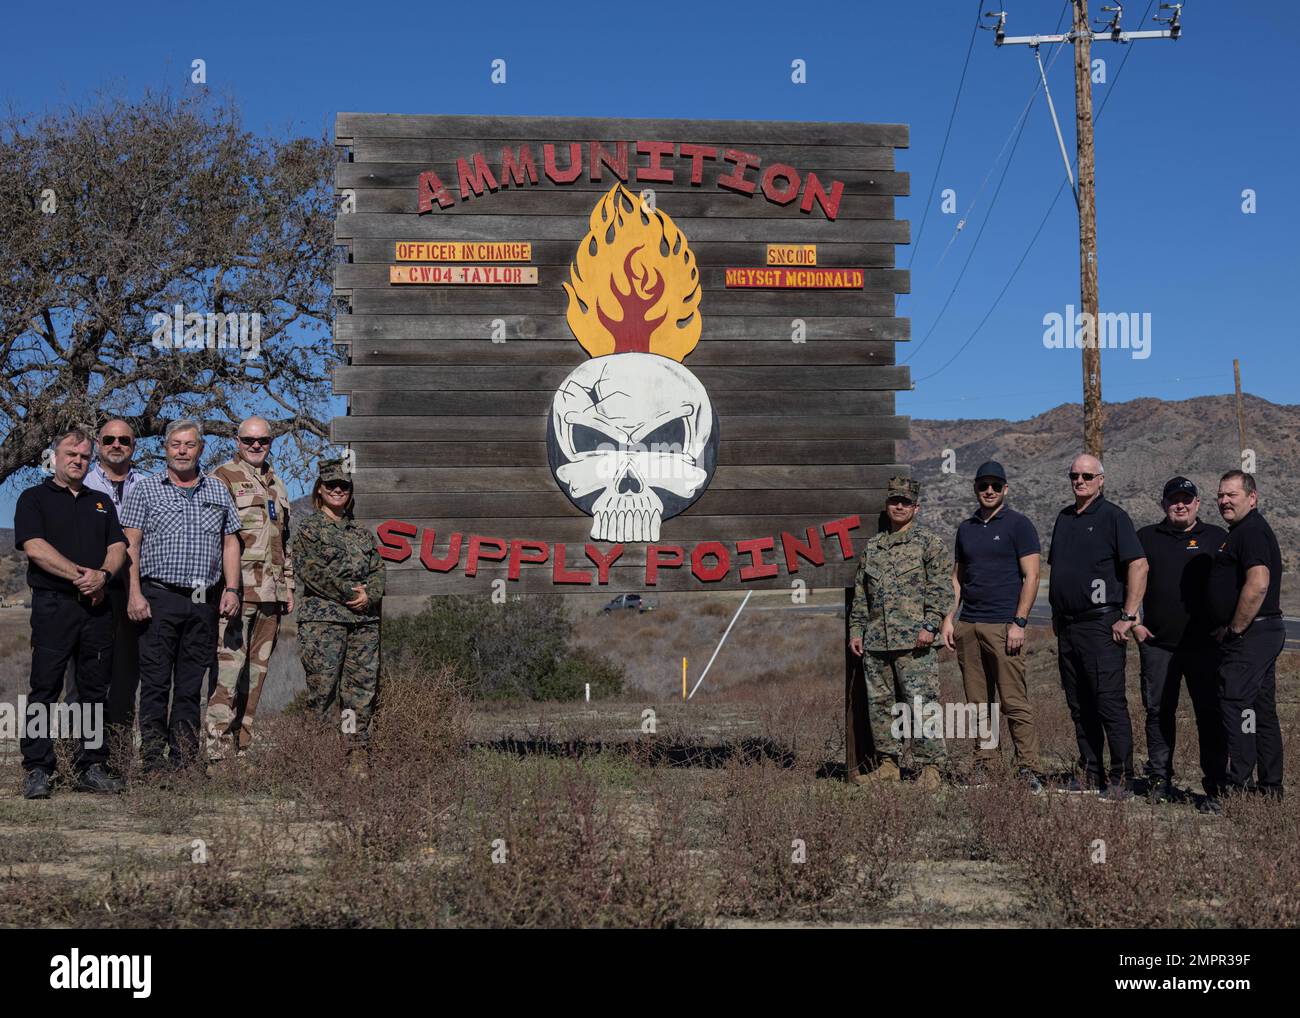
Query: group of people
pixel 150 583
pixel 1202 604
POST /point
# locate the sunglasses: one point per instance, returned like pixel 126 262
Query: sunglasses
pixel 1086 477
pixel 985 485
pixel 337 486
pixel 116 440
pixel 254 440
pixel 1181 499
pixel 899 500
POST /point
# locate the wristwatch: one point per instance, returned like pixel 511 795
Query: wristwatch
pixel 108 577
pixel 930 627
pixel 1126 617
pixel 1020 621
pixel 230 590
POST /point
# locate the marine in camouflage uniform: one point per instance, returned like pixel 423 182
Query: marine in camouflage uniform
pixel 903 585
pixel 339 646
pixel 245 643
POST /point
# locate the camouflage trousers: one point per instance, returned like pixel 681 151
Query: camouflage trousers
pixel 899 676
pixel 342 663
pixel 244 647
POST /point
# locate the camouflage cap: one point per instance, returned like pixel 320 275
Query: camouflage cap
pixel 904 486
pixel 333 470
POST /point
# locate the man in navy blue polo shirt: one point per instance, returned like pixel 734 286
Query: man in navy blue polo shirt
pixel 995 578
pixel 1099 574
pixel 1174 641
pixel 1245 603
pixel 74 547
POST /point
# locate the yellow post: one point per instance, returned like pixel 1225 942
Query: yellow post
pixel 683 678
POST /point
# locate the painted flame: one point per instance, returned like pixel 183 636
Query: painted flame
pixel 634 286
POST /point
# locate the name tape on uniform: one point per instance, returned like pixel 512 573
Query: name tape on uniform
pixel 467 275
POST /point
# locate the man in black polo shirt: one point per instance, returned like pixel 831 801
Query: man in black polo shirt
pixel 1245 603
pixel 995 578
pixel 1174 640
pixel 1099 574
pixel 74 546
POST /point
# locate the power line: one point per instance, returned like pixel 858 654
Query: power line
pixel 1034 239
pixel 925 214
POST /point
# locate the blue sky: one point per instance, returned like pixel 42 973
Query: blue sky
pixel 1191 124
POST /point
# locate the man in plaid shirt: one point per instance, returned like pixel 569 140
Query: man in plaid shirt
pixel 181 526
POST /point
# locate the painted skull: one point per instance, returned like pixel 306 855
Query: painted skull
pixel 632 440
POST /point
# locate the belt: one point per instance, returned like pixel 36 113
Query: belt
pixel 175 588
pixel 1092 613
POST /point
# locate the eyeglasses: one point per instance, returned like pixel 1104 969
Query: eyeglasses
pixel 1086 477
pixel 125 440
pixel 985 485
pixel 251 440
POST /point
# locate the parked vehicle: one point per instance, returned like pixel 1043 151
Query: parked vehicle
pixel 628 602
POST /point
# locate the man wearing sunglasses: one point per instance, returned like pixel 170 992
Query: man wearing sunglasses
pixel 995 578
pixel 246 641
pixel 1174 641
pixel 115 475
pixel 1099 574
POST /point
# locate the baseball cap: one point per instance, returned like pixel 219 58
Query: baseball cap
pixel 991 468
pixel 1176 484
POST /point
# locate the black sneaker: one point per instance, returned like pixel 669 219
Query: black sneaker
pixel 1116 793
pixel 36 784
pixel 1034 782
pixel 1210 806
pixel 1160 791
pixel 96 779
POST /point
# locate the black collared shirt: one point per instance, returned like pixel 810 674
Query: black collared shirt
pixel 79 527
pixel 1089 555
pixel 1250 542
pixel 1176 604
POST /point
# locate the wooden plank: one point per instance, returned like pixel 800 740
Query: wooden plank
pixel 356 328
pixel 869 175
pixel 561 252
pixel 551 504
pixel 375 433
pixel 508 403
pixel 442 153
pixel 409 480
pixel 554 200
pixel 752 379
pixel 565 129
pixel 524 454
pixel 412 583
pixel 559 352
pixel 712 279
pixel 487 226
pixel 549 298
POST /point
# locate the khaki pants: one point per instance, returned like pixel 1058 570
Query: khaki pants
pixel 989 675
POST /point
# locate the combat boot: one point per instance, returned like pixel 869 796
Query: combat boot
pixel 886 770
pixel 929 778
pixel 358 763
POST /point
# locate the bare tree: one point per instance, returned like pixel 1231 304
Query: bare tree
pixel 114 214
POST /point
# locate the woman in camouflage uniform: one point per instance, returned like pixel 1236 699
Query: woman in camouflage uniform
pixel 338 617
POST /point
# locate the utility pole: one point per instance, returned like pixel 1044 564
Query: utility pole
pixel 1085 192
pixel 1241 428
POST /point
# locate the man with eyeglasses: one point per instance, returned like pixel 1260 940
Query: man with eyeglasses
pixel 246 641
pixel 1174 641
pixel 1245 605
pixel 181 525
pixel 115 475
pixel 995 579
pixel 1098 577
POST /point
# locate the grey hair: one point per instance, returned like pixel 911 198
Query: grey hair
pixel 185 424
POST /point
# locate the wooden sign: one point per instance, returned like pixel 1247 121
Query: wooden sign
pixel 796 279
pixel 491 275
pixel 463 251
pixel 791 254
pixel 639 417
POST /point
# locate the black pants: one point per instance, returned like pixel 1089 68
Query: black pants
pixel 1248 683
pixel 1163 672
pixel 65 628
pixel 175 647
pixel 126 675
pixel 1092 675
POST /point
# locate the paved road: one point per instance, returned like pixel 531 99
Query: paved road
pixel 1039 615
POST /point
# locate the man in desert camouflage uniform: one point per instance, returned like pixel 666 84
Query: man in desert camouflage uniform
pixel 245 643
pixel 342 578
pixel 901 594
